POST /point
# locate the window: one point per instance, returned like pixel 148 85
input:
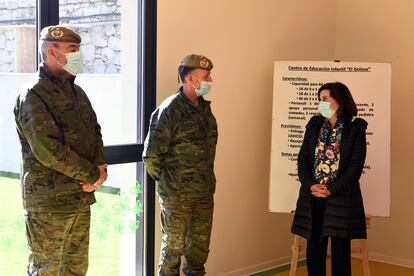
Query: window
pixel 118 47
pixel 99 24
pixel 17 63
pixel 18 36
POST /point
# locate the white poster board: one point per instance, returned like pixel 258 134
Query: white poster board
pixel 296 84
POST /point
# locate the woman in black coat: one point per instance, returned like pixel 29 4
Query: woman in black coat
pixel 330 163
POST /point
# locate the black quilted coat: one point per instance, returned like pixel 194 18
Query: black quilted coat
pixel 344 215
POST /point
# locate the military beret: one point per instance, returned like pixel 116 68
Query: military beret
pixel 59 33
pixel 197 61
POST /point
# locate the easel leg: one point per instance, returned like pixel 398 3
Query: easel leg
pixel 295 255
pixel 364 256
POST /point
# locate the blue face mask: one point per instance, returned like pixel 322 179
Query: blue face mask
pixel 325 109
pixel 205 87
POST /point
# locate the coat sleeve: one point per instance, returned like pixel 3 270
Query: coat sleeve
pixel 42 134
pixel 99 150
pixel 99 154
pixel 157 142
pixel 212 135
pixel 305 173
pixel 350 177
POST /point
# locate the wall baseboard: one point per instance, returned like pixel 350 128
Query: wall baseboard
pixel 272 264
pixel 388 259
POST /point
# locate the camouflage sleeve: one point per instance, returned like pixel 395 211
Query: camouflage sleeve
pixel 157 142
pixel 99 155
pixel 42 133
pixel 99 150
pixel 212 136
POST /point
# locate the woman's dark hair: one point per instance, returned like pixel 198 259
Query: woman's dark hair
pixel 184 71
pixel 342 96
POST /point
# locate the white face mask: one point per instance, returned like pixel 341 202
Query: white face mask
pixel 205 87
pixel 325 109
pixel 74 63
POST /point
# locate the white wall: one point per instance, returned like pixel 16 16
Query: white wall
pixel 383 31
pixel 243 38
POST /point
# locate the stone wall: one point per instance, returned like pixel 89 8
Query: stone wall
pixel 17 12
pixel 98 22
pixel 101 47
pixel 86 11
pixel 7 48
pixel 70 11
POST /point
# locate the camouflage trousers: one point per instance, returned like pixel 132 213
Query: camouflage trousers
pixel 58 242
pixel 186 228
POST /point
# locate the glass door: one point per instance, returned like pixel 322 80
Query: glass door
pixel 17 65
pixel 104 78
pixel 118 48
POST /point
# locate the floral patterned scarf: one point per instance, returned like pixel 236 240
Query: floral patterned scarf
pixel 327 154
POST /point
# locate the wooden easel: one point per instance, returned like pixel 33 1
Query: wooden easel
pixel 363 250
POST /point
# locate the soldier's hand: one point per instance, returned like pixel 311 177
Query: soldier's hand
pixel 88 187
pixel 103 175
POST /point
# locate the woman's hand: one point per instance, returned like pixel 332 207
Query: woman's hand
pixel 319 190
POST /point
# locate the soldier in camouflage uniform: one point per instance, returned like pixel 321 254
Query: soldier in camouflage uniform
pixel 63 160
pixel 179 153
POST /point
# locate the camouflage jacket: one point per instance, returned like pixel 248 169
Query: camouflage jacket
pixel 180 148
pixel 61 143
